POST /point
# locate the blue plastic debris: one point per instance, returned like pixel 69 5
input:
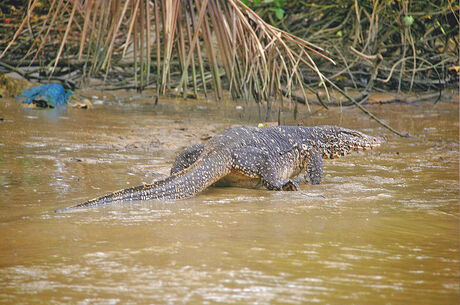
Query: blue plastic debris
pixel 49 95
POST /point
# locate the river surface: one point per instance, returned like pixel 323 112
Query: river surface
pixel 382 228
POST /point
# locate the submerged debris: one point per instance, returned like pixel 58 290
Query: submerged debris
pixel 51 96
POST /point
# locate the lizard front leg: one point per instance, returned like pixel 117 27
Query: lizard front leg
pixel 255 163
pixel 314 168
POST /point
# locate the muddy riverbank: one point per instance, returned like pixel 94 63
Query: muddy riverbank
pixel 382 228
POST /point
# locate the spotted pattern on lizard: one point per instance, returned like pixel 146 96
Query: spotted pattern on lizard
pixel 249 157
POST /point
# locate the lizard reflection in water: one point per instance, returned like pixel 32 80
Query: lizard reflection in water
pixel 249 157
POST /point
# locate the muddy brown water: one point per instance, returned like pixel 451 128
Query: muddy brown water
pixel 383 227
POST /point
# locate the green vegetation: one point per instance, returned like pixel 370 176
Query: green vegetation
pixel 192 46
pixel 166 45
pixel 391 44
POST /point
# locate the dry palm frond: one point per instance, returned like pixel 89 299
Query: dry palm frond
pixel 221 37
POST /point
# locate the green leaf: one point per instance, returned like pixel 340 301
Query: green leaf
pixel 279 12
pixel 442 29
pixel 407 21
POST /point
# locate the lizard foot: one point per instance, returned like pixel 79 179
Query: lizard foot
pixel 290 185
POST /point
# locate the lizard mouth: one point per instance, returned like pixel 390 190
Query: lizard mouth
pixel 372 142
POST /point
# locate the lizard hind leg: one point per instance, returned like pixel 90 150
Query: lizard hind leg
pixel 255 163
pixel 186 158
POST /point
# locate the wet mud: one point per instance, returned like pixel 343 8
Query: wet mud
pixel 381 228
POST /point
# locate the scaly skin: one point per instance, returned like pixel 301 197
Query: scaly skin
pixel 247 156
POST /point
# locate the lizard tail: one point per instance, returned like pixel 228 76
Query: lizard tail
pixel 184 184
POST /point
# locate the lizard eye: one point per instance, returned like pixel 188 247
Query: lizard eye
pixel 304 147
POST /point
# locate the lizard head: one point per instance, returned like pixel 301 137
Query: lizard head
pixel 338 141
